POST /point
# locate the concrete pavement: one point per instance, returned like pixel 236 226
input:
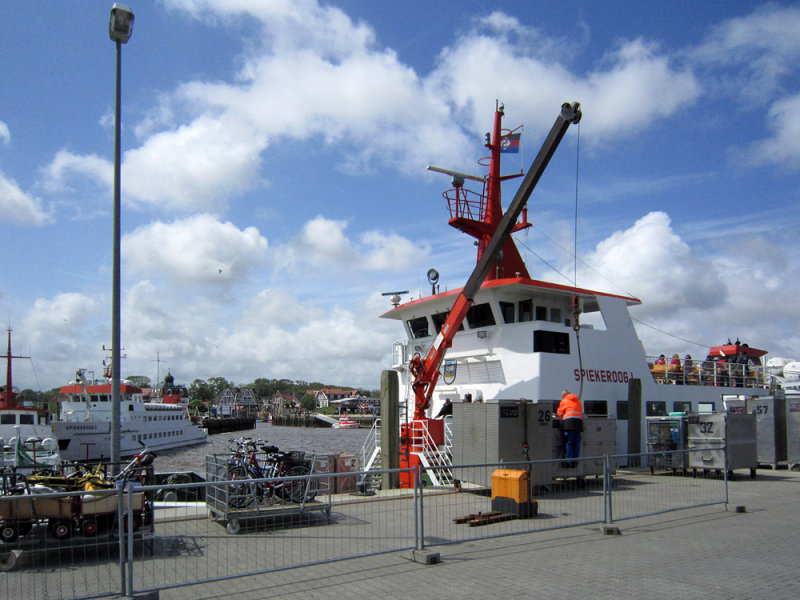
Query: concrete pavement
pixel 700 553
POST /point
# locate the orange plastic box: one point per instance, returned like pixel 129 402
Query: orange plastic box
pixel 509 483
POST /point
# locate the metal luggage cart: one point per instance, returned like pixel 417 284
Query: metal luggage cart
pixel 233 502
pixel 667 441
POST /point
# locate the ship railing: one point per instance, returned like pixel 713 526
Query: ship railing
pixel 399 353
pixel 371 448
pixel 708 373
pixel 433 455
pixel 465 204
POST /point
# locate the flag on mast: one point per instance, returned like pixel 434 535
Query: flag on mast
pixel 510 143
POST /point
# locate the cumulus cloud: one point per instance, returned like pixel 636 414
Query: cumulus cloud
pixel 651 261
pixel 324 243
pixel 763 46
pixel 624 92
pixel 783 147
pixel 317 75
pixel 5 134
pixel 199 249
pixel 64 329
pixel 18 207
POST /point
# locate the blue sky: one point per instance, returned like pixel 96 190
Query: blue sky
pixel 274 182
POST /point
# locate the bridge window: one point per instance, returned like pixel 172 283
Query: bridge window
pixel 541 313
pixel 507 310
pixel 480 315
pixel 8 419
pixel 439 319
pixel 656 409
pixel 555 315
pixel 705 407
pixel 525 311
pixel 418 327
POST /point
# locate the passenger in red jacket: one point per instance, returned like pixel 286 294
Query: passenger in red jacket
pixel 571 414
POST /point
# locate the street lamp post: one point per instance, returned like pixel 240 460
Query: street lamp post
pixel 120 27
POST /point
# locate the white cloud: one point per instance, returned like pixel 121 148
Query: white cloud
pixel 5 134
pixel 199 249
pixel 650 261
pixel 67 166
pixel 19 207
pixel 764 46
pixel 324 244
pixel 783 148
pixel 64 330
pixel 624 93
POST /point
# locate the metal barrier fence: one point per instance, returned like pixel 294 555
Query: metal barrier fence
pixel 187 542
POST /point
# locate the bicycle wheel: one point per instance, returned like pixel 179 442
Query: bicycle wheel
pixel 301 489
pixel 240 494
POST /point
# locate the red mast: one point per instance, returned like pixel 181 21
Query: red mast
pixel 479 215
pixel 8 399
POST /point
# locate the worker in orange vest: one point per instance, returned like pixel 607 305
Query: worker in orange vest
pixel 571 414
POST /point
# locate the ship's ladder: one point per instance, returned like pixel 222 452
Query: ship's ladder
pixel 436 459
pixel 371 456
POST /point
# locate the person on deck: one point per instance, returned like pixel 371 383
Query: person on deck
pixel 571 414
pixel 447 409
pixel 661 360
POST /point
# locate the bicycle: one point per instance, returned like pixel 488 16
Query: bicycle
pixel 277 475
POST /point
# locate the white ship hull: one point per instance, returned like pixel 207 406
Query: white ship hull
pixel 84 428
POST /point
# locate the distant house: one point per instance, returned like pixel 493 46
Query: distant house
pixel 333 396
pixel 237 402
pixel 283 401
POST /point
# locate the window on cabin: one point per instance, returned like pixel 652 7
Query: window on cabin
pixel 705 407
pixel 681 406
pixel 418 327
pixel 554 342
pixel 541 313
pixel 622 410
pixel 480 315
pixel 656 409
pixel 555 315
pixel 525 311
pixel 507 309
pixel 8 419
pixel 26 419
pixel 595 408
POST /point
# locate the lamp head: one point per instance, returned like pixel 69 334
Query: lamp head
pixel 120 26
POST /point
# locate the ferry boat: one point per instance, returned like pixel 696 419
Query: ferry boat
pixel 24 431
pixel 83 430
pixel 517 337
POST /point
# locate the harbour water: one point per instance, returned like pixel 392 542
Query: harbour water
pixel 317 440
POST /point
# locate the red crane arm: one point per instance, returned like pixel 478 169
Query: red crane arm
pixel 426 372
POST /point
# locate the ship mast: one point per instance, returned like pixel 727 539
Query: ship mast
pixel 8 399
pixel 480 218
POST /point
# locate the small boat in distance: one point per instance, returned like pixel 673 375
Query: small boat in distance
pixel 345 423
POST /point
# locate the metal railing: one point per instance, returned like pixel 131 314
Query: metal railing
pixel 186 543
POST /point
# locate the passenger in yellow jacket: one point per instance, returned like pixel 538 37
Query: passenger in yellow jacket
pixel 571 414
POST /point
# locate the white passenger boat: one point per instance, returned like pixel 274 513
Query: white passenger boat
pixel 518 337
pixel 83 430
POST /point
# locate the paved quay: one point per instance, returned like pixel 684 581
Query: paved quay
pixel 699 553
